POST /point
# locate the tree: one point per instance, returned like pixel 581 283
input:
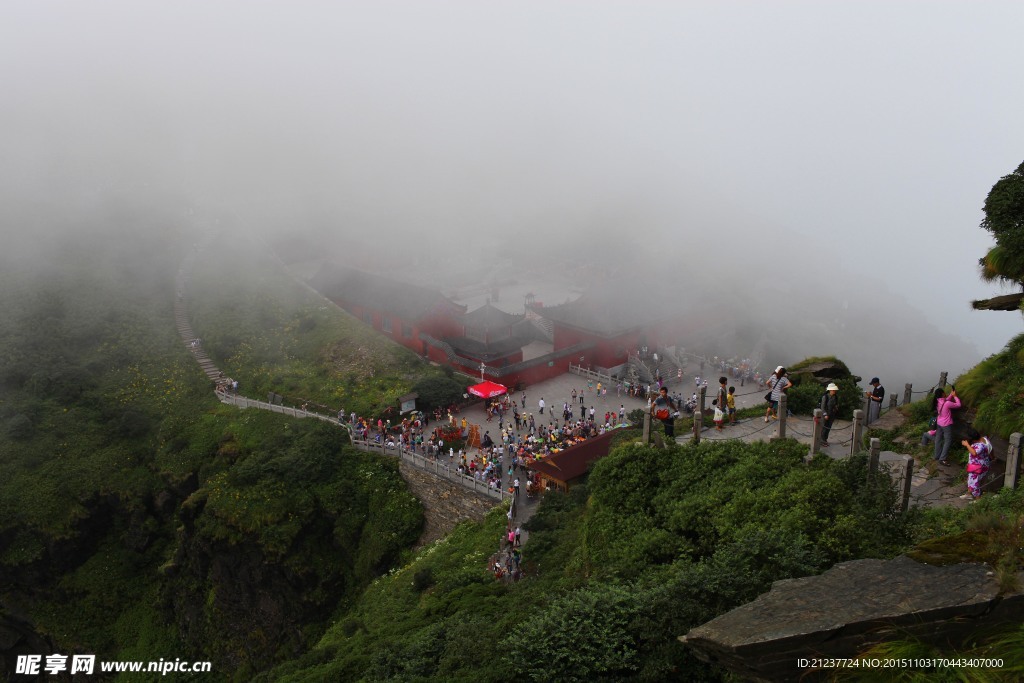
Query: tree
pixel 1004 218
pixel 437 392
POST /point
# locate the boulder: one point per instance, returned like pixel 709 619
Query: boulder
pixel 847 609
pixel 825 371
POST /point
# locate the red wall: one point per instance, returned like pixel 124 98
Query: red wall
pixel 608 352
pixel 440 325
pixel 395 334
pixel 537 373
pixel 498 363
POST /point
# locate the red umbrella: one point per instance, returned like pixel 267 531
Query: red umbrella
pixel 488 389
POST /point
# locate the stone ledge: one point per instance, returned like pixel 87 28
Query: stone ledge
pixel 848 608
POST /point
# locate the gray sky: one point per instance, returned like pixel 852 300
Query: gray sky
pixel 859 137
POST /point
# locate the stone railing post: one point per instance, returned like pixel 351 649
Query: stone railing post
pixel 907 393
pixel 858 432
pixel 892 401
pixel 1012 476
pixel 783 412
pixel 942 379
pixel 873 452
pixel 908 480
pixel 698 414
pixel 647 428
pixel 816 428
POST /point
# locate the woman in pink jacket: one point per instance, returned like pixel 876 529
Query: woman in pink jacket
pixel 944 406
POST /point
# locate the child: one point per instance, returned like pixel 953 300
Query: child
pixel 719 415
pixel 978 462
pixel 730 401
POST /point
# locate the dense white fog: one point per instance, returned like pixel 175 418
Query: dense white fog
pixel 821 164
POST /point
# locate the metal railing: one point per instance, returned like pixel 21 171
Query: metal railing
pixel 436 466
pixel 426 464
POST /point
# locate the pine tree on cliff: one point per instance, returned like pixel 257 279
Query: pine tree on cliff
pixel 1004 218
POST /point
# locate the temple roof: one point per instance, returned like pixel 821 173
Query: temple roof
pixel 484 351
pixel 490 317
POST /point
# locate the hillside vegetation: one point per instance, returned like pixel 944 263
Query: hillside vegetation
pixel 139 517
pixel 658 541
pixel 995 389
pixel 271 334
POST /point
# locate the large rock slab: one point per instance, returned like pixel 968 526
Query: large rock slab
pixel 848 608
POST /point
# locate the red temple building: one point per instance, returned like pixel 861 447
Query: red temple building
pixel 598 330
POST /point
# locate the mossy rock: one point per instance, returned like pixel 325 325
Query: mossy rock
pixel 972 545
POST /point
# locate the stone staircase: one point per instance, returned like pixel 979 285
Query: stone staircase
pixel 639 370
pixel 670 364
pixel 188 335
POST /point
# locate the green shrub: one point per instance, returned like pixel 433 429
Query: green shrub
pixel 578 637
pixel 19 427
pixel 805 395
pixel 423 579
pixel 437 392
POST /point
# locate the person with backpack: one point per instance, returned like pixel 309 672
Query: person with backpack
pixel 777 383
pixel 829 410
pixel 663 409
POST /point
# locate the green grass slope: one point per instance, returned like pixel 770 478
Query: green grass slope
pixel 273 335
pixel 657 542
pixel 995 389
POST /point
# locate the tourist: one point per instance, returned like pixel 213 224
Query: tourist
pixel 778 383
pixel 730 403
pixel 719 415
pixel 723 395
pixel 978 462
pixel 829 410
pixel 540 404
pixel 875 397
pixel 944 406
pixel 663 408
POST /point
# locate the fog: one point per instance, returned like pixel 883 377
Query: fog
pixel 816 167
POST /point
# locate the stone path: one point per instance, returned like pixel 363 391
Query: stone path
pixel 192 343
pixel 931 486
